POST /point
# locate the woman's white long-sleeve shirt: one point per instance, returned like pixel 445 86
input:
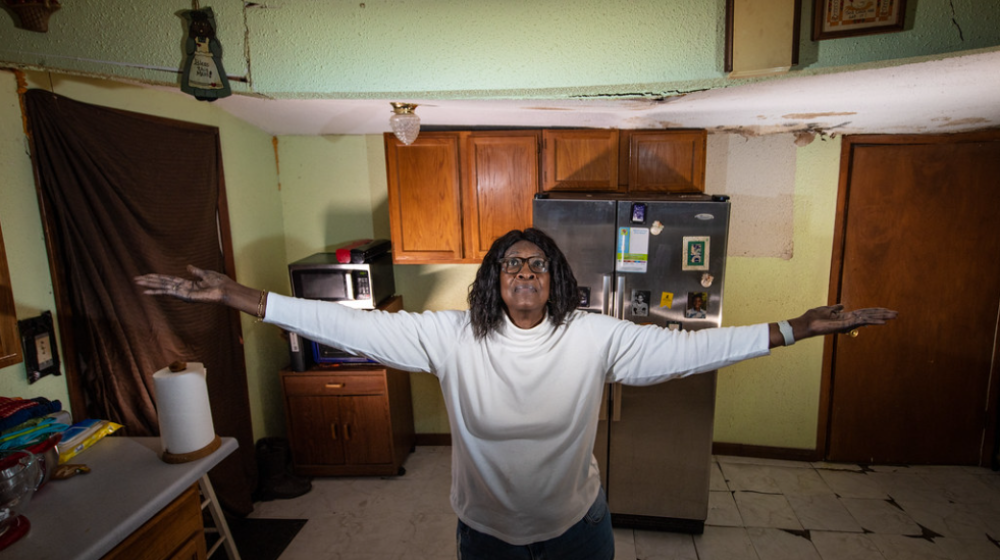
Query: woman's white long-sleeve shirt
pixel 523 403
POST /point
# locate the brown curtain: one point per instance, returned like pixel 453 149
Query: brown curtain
pixel 126 194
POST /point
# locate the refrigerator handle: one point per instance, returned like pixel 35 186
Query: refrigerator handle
pixel 616 404
pixel 602 412
pixel 619 311
pixel 606 290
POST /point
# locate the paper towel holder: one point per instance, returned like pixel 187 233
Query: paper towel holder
pixel 176 458
pixel 211 447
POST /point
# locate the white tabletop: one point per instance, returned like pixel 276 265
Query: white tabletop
pixel 86 516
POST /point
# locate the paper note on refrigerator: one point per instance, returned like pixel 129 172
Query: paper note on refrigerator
pixel 666 299
pixel 633 249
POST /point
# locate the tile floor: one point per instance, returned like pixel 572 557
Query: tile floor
pixel 758 510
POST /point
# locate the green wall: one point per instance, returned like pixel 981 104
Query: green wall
pixel 24 242
pixel 774 401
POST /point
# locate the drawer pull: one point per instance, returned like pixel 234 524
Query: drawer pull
pixel 347 431
pixel 334 385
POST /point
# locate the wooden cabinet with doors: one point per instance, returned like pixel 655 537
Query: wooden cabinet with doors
pixel 633 161
pixel 349 420
pixel 425 200
pixel 175 533
pixel 10 346
pixel 580 160
pixel 663 161
pixel 501 180
pixel 452 193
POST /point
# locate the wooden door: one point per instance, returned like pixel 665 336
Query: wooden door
pixel 664 161
pixel 918 231
pixel 580 160
pixel 502 180
pixel 425 203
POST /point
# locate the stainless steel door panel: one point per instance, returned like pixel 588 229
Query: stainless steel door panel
pixel 660 437
pixel 585 232
pixel 661 449
pixel 653 444
pixel 664 272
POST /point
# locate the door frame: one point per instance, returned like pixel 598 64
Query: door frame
pixel 989 455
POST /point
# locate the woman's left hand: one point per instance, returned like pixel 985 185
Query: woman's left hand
pixel 833 319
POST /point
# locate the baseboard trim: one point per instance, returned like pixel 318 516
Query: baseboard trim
pixel 765 452
pixel 433 439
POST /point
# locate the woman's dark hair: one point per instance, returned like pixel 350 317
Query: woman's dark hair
pixel 487 306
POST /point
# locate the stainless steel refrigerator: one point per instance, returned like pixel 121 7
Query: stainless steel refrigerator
pixel 657 261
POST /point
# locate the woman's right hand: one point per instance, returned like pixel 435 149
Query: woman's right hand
pixel 209 287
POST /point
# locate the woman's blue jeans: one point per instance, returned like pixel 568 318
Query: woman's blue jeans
pixel 590 539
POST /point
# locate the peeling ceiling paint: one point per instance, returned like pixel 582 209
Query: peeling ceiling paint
pixel 948 95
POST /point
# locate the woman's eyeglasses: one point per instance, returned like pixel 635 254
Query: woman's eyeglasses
pixel 513 265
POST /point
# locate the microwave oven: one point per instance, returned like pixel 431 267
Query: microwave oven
pixel 363 285
pixel 361 277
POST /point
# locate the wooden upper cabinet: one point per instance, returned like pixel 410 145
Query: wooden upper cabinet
pixel 580 160
pixel 663 161
pixel 425 210
pixel 451 194
pixel 501 181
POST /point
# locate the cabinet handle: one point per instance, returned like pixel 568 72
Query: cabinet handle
pixel 347 431
pixel 333 431
pixel 334 385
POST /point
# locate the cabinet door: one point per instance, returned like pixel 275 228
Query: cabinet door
pixel 501 181
pixel 580 160
pixel 318 430
pixel 175 533
pixel 192 549
pixel 367 429
pixel 10 346
pixel 425 197
pixel 665 160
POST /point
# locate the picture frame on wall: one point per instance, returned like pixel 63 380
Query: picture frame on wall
pixel 833 19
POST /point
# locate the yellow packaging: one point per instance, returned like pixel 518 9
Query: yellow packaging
pixel 96 433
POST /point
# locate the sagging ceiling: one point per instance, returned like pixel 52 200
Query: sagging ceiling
pixel 939 96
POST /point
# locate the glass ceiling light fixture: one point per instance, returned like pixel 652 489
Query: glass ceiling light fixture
pixel 404 122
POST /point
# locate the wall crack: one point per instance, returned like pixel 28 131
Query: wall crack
pixel 954 21
pixel 246 44
pixel 656 97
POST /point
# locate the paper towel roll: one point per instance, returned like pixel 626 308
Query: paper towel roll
pixel 185 415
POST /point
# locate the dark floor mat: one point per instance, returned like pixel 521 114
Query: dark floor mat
pixel 258 539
